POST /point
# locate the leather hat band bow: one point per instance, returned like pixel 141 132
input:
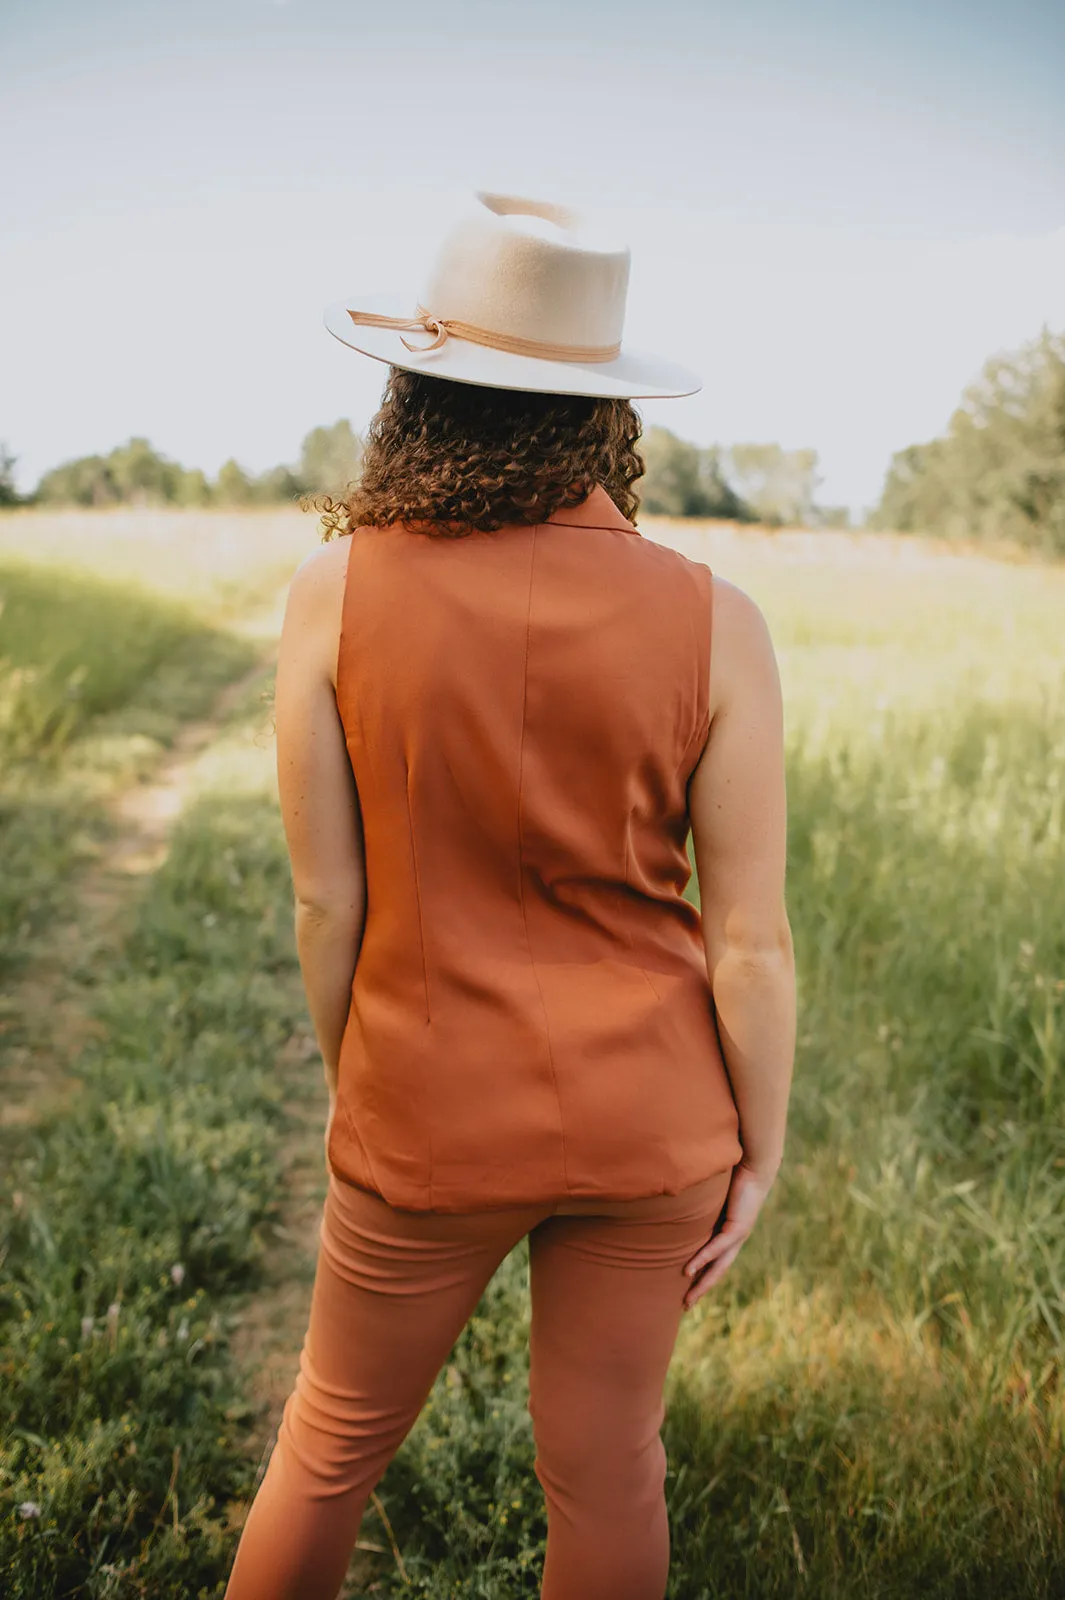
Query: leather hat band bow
pixel 443 327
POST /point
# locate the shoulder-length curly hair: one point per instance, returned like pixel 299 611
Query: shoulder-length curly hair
pixel 449 457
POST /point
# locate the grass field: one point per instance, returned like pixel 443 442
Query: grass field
pixel 869 1405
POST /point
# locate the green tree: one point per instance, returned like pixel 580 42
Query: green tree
pixel 141 475
pixel 277 485
pixel 779 485
pixel 9 495
pixel 999 470
pixel 132 474
pixel 136 474
pixel 681 480
pixel 330 459
pixel 86 481
pixel 916 492
pixel 193 488
pixel 233 487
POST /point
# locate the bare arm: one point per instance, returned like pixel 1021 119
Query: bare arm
pixel 738 811
pixel 737 804
pixel 319 801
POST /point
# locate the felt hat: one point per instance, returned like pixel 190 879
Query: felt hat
pixel 522 294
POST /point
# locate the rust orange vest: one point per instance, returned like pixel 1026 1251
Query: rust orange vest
pixel 530 1014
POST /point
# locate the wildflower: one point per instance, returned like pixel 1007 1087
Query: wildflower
pixel 87 1325
pixel 177 1274
pixel 29 1510
pixel 183 1330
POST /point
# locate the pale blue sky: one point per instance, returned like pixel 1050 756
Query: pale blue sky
pixel 837 211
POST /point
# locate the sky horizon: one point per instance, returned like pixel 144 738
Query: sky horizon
pixel 836 217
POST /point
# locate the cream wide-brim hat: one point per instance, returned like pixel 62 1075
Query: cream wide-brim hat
pixel 522 295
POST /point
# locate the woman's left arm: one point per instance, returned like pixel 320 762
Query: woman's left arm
pixel 319 801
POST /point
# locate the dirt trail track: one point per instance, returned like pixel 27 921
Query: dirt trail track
pixel 49 1003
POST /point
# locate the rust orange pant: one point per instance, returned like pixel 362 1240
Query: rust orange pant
pixel 394 1290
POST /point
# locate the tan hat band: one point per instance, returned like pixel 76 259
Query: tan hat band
pixel 442 327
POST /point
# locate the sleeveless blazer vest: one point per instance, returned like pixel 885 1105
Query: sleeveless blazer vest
pixel 530 1014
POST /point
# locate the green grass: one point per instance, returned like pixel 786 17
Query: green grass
pixel 76 649
pixel 869 1407
pixel 130 1217
pixel 132 1209
pixel 878 1385
pixel 96 678
pixel 220 563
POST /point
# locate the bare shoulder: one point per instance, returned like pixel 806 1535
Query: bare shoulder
pixel 741 647
pixel 735 611
pixel 321 569
pixel 311 631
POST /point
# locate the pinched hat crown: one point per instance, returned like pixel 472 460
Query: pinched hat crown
pixel 530 270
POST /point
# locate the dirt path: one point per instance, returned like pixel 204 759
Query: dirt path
pixel 49 1004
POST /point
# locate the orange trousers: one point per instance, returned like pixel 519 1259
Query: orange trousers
pixel 393 1291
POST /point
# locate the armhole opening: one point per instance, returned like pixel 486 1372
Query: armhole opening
pixel 708 676
pixel 343 634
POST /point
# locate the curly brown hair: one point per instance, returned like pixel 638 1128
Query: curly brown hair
pixel 446 457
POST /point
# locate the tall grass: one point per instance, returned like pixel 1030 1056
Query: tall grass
pixel 97 675
pixel 134 1210
pixel 75 650
pixel 130 1218
pixel 219 563
pixel 875 1392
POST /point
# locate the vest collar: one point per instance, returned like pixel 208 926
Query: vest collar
pixel 598 511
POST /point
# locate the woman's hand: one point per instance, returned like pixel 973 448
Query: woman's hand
pixel 747 1191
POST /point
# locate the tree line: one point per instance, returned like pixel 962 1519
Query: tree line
pixel 761 483
pixel 998 471
pixel 136 474
pixel 748 483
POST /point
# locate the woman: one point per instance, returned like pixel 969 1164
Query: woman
pixel 496 724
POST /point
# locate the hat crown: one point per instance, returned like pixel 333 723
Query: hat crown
pixel 530 269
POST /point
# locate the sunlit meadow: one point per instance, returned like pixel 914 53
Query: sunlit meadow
pixel 870 1403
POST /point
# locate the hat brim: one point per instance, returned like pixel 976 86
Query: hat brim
pixel 631 376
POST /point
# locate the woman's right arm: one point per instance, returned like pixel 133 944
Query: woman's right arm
pixel 737 803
